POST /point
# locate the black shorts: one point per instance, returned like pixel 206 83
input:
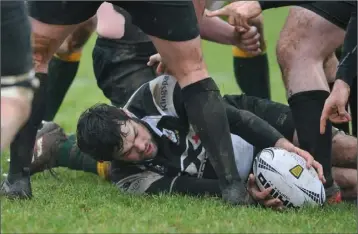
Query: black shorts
pixel 276 114
pixel 169 20
pixel 121 68
pixel 16 53
pixel 336 12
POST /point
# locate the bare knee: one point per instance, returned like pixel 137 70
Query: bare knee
pixel 307 35
pixel 46 40
pixel 78 38
pixel 330 65
pixel 184 60
pixel 346 179
pixel 344 150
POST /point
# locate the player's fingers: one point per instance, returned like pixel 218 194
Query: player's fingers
pixel 323 122
pixel 251 180
pixel 307 156
pixel 273 203
pixel 263 194
pixel 251 41
pixel 220 12
pixel 253 47
pixel 319 170
pixel 160 69
pixel 250 33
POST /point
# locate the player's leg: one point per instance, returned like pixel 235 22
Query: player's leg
pixel 252 72
pixel 53 148
pixel 17 89
pixel 64 16
pixel 306 40
pixel 120 55
pixel 63 66
pixel 346 178
pixel 17 79
pixel 121 67
pixel 174 31
pixel 278 115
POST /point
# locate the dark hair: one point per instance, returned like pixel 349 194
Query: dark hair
pixel 98 131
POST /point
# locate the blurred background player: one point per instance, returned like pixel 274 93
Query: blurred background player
pixel 17 77
pixel 18 85
pixel 251 70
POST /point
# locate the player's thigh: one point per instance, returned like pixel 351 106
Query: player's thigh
pixel 276 114
pixel 307 35
pixel 52 22
pixel 168 20
pixel 120 68
pixel 173 28
pixel 62 12
pixel 16 56
pixel 78 38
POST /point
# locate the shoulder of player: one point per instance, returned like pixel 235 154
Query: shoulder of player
pixel 163 91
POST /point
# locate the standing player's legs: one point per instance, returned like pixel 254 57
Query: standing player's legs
pixel 306 40
pixel 17 80
pixel 46 40
pixel 63 66
pixel 252 72
pixel 173 29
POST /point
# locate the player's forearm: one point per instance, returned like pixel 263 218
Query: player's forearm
pixel 251 128
pixel 134 180
pixel 347 69
pixel 217 30
pixel 275 4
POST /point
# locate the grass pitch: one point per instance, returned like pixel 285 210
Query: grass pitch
pixel 83 203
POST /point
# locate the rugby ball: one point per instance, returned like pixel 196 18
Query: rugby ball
pixel 287 174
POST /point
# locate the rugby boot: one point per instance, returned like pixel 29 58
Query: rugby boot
pixel 333 194
pixel 17 186
pixel 47 145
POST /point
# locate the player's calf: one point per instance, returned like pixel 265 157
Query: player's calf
pixel 64 65
pixel 252 72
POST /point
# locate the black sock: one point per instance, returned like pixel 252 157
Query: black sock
pixel 21 148
pixel 207 114
pixel 306 111
pixel 353 107
pixel 252 75
pixel 61 75
pixel 341 126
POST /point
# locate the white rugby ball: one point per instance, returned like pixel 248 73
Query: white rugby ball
pixel 287 174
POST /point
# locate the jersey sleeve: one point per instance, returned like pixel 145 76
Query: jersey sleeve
pixel 347 69
pixel 137 179
pixel 251 128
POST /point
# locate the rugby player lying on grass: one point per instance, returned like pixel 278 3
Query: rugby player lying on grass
pixel 158 151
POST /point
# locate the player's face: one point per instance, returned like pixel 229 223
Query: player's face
pixel 138 144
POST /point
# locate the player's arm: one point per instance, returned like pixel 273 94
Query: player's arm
pixel 252 128
pixel 217 30
pixel 347 69
pixel 136 180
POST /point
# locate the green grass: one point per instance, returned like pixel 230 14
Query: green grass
pixel 81 203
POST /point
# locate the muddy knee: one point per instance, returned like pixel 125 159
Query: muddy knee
pixel 330 65
pixel 344 149
pixel 306 41
pixel 77 39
